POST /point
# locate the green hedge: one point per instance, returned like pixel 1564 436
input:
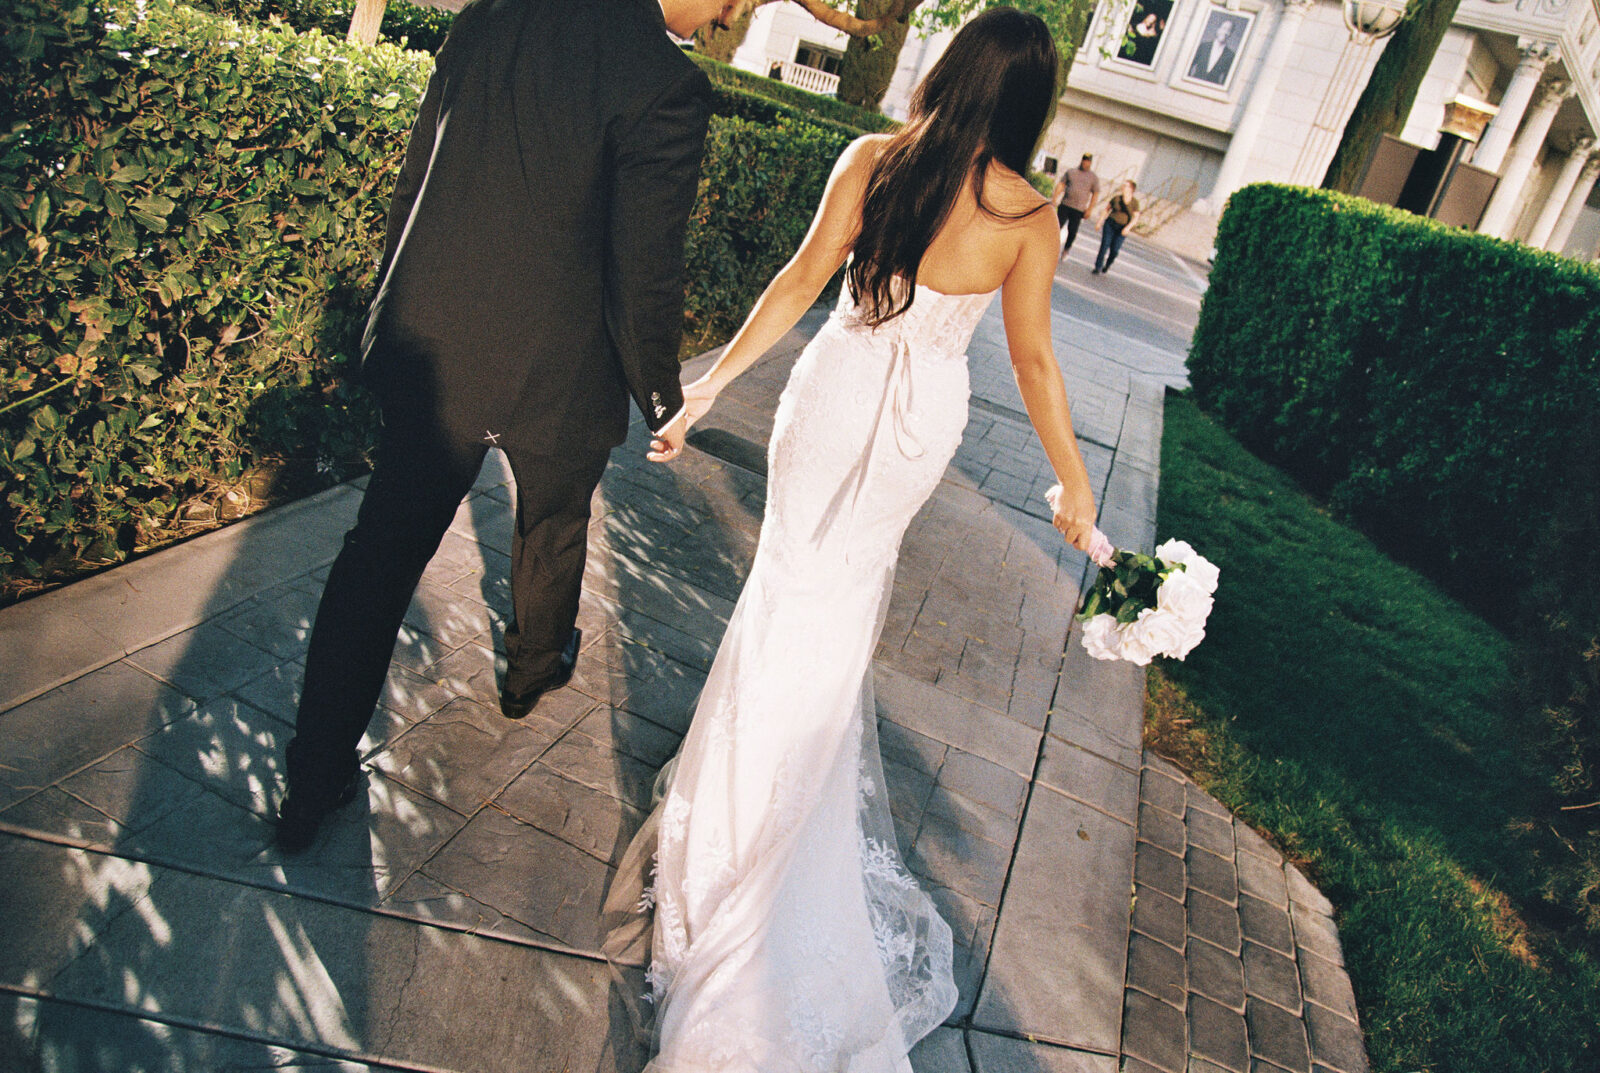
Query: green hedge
pixel 1439 387
pixel 726 77
pixel 409 25
pixel 191 209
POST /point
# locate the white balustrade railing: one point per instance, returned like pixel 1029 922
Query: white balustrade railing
pixel 809 78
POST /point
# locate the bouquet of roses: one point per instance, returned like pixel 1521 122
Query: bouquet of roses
pixel 1142 606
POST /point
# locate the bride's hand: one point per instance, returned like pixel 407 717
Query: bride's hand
pixel 697 399
pixel 1074 516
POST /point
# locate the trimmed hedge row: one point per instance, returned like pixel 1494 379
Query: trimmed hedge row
pixel 191 211
pixel 862 120
pixel 407 25
pixel 1442 389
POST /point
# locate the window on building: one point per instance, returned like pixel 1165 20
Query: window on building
pixel 818 58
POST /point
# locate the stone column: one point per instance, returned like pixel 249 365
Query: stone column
pixel 1500 216
pixel 1575 202
pixel 1545 225
pixel 1491 151
pixel 1243 142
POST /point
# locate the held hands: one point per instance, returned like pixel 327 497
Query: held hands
pixel 667 444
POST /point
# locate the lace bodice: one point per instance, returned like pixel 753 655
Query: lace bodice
pixel 938 326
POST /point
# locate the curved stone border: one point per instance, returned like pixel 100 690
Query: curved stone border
pixel 1234 960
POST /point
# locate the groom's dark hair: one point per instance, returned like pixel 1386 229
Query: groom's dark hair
pixel 986 99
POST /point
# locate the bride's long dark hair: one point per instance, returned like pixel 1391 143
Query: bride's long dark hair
pixel 986 99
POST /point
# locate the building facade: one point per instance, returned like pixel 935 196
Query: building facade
pixel 1195 98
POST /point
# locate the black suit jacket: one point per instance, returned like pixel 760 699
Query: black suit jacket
pixel 532 273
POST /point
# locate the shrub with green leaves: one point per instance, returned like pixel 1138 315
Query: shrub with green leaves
pixel 191 210
pixel 188 240
pixel 1443 389
pixel 728 78
pixel 409 25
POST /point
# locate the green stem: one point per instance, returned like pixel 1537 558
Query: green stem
pixel 36 395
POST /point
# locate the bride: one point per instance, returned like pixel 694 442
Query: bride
pixel 766 894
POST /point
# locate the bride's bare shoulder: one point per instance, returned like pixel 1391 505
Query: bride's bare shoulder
pixel 1011 193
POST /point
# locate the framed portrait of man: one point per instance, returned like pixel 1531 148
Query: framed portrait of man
pixel 1142 36
pixel 1216 54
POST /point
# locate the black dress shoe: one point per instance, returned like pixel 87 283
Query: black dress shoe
pixel 300 814
pixel 516 705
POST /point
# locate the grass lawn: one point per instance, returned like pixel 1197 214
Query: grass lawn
pixel 1345 706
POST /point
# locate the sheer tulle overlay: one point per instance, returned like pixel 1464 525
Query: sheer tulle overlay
pixel 766 893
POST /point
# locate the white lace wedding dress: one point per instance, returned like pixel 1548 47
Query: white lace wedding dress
pixel 786 934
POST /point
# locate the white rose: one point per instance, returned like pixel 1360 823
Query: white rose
pixel 1100 637
pixel 1194 564
pixel 1194 633
pixel 1186 596
pixel 1155 632
pixel 1175 551
pixel 1136 643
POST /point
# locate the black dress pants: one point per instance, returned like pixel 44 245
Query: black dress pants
pixel 417 484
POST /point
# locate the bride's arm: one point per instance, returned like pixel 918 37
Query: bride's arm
pixel 796 286
pixel 1025 302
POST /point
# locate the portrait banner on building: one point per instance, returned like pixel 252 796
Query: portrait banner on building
pixel 1216 53
pixel 1141 38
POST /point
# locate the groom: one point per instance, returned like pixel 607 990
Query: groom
pixel 532 280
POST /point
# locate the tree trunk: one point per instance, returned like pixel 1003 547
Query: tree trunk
pixel 1390 92
pixel 365 22
pixel 722 44
pixel 867 70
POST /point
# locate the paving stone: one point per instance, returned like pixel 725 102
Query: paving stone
pixel 1266 924
pixel 1200 1065
pixel 1215 973
pixel 204 662
pixel 1046 924
pixel 529 875
pixel 1154 1032
pixel 1316 933
pixel 983 781
pixel 909 791
pixel 1161 790
pixel 1217 1034
pixel 1215 921
pixel 1156 969
pixel 63 1036
pixel 584 760
pixel 132 788
pixel 1095 781
pixel 1327 984
pixel 1209 832
pixel 1212 874
pixel 944 1050
pixel 107 709
pixel 903 745
pixel 1271 976
pixel 1277 1036
pixel 229 748
pixel 464 754
pixel 956 722
pixel 1003 1054
pixel 1200 801
pixel 1248 840
pixel 579 815
pixel 1155 867
pixel 626 733
pixel 54 811
pixel 1134 1065
pixel 365 851
pixel 342 979
pixel 959 859
pixel 1263 879
pixel 277 620
pixel 1162 829
pixel 986 823
pixel 1336 1041
pixel 1158 916
pixel 1301 891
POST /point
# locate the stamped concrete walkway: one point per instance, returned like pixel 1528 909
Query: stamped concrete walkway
pixel 1109 916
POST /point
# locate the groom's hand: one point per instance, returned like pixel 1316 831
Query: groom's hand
pixel 667 444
